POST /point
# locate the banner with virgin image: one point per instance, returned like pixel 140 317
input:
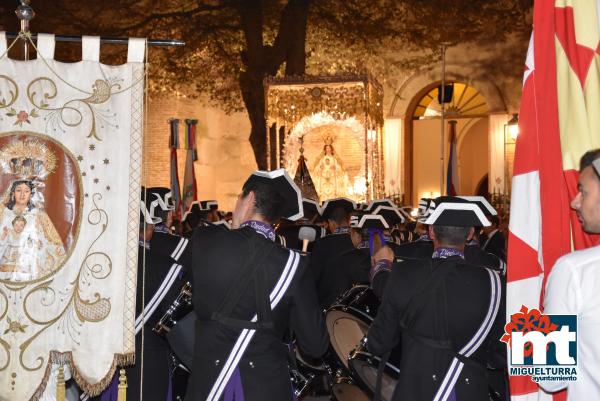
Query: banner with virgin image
pixel 70 169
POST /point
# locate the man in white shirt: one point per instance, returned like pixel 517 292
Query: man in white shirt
pixel 574 287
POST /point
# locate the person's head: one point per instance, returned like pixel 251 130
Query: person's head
pixel 328 149
pixel 338 217
pixel 449 236
pixel 587 201
pixel 20 194
pixel 18 223
pixel 258 201
pixel 356 236
pixel 495 224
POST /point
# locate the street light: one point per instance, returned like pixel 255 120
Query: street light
pixel 513 127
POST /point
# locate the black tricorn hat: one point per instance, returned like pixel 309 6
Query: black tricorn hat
pixel 424 209
pixel 456 212
pixel 153 200
pixel 374 204
pixel 391 215
pixel 283 184
pixel 483 204
pixel 373 221
pixel 331 204
pixel 206 205
pixel 311 208
pixel 355 218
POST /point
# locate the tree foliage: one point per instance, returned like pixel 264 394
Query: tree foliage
pixel 232 44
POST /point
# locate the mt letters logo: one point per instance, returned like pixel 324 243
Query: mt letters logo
pixel 542 346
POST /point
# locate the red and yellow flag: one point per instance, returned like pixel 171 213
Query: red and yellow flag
pixel 559 121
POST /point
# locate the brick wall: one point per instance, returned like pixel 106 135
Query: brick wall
pixel 225 157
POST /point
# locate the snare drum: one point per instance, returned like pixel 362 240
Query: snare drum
pixel 349 318
pixel 364 367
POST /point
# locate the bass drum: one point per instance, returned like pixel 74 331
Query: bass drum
pixel 349 318
pixel 364 367
pixel 345 390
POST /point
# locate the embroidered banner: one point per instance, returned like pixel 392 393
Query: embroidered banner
pixel 70 167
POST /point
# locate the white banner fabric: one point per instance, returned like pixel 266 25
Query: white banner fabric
pixel 70 169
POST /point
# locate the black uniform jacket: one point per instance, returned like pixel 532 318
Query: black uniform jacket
pixel 349 268
pixel 496 244
pixel 156 350
pixel 324 252
pixel 416 249
pixel 477 256
pixel 449 314
pixel 217 258
pixel 473 254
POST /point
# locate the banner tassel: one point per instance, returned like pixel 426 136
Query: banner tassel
pixel 61 392
pixel 122 386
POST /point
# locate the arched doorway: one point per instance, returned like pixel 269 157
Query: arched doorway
pixel 423 158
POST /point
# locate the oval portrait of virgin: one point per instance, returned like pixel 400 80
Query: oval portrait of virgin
pixel 40 195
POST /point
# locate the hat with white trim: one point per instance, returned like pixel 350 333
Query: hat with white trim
pixel 456 212
pixel 283 184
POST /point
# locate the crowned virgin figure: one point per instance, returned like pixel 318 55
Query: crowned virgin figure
pixel 331 180
pixel 30 246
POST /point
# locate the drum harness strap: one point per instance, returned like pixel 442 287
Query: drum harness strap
pixel 265 303
pixel 415 306
pixel 250 271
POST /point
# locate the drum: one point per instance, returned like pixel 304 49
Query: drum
pixel 364 367
pixel 304 372
pixel 344 389
pixel 349 318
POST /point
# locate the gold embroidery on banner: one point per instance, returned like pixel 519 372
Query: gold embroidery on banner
pixel 6 347
pixel 95 265
pixel 68 113
pixel 14 94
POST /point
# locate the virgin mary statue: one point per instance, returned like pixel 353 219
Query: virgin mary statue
pixel 331 180
pixel 30 246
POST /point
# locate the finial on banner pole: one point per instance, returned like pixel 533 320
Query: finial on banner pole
pixel 25 14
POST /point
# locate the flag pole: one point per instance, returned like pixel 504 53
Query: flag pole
pixel 442 97
pixel 25 14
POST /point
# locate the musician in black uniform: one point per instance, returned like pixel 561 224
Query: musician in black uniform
pixel 326 249
pixel 200 214
pixel 495 241
pixel 248 293
pixel 352 267
pixel 295 235
pixel 424 248
pixel 159 280
pixel 393 218
pixel 474 253
pixel 446 313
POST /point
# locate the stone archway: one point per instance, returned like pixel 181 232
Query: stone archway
pixel 411 91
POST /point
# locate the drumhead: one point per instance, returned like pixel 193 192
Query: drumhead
pixel 348 320
pixel 345 332
pixel 364 367
pixel 344 390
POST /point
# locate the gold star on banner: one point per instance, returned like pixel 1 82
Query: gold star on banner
pixel 84 174
pixel 92 167
pixel 92 147
pixel 108 187
pixel 79 158
pixel 96 180
pixel 105 161
pixel 86 195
